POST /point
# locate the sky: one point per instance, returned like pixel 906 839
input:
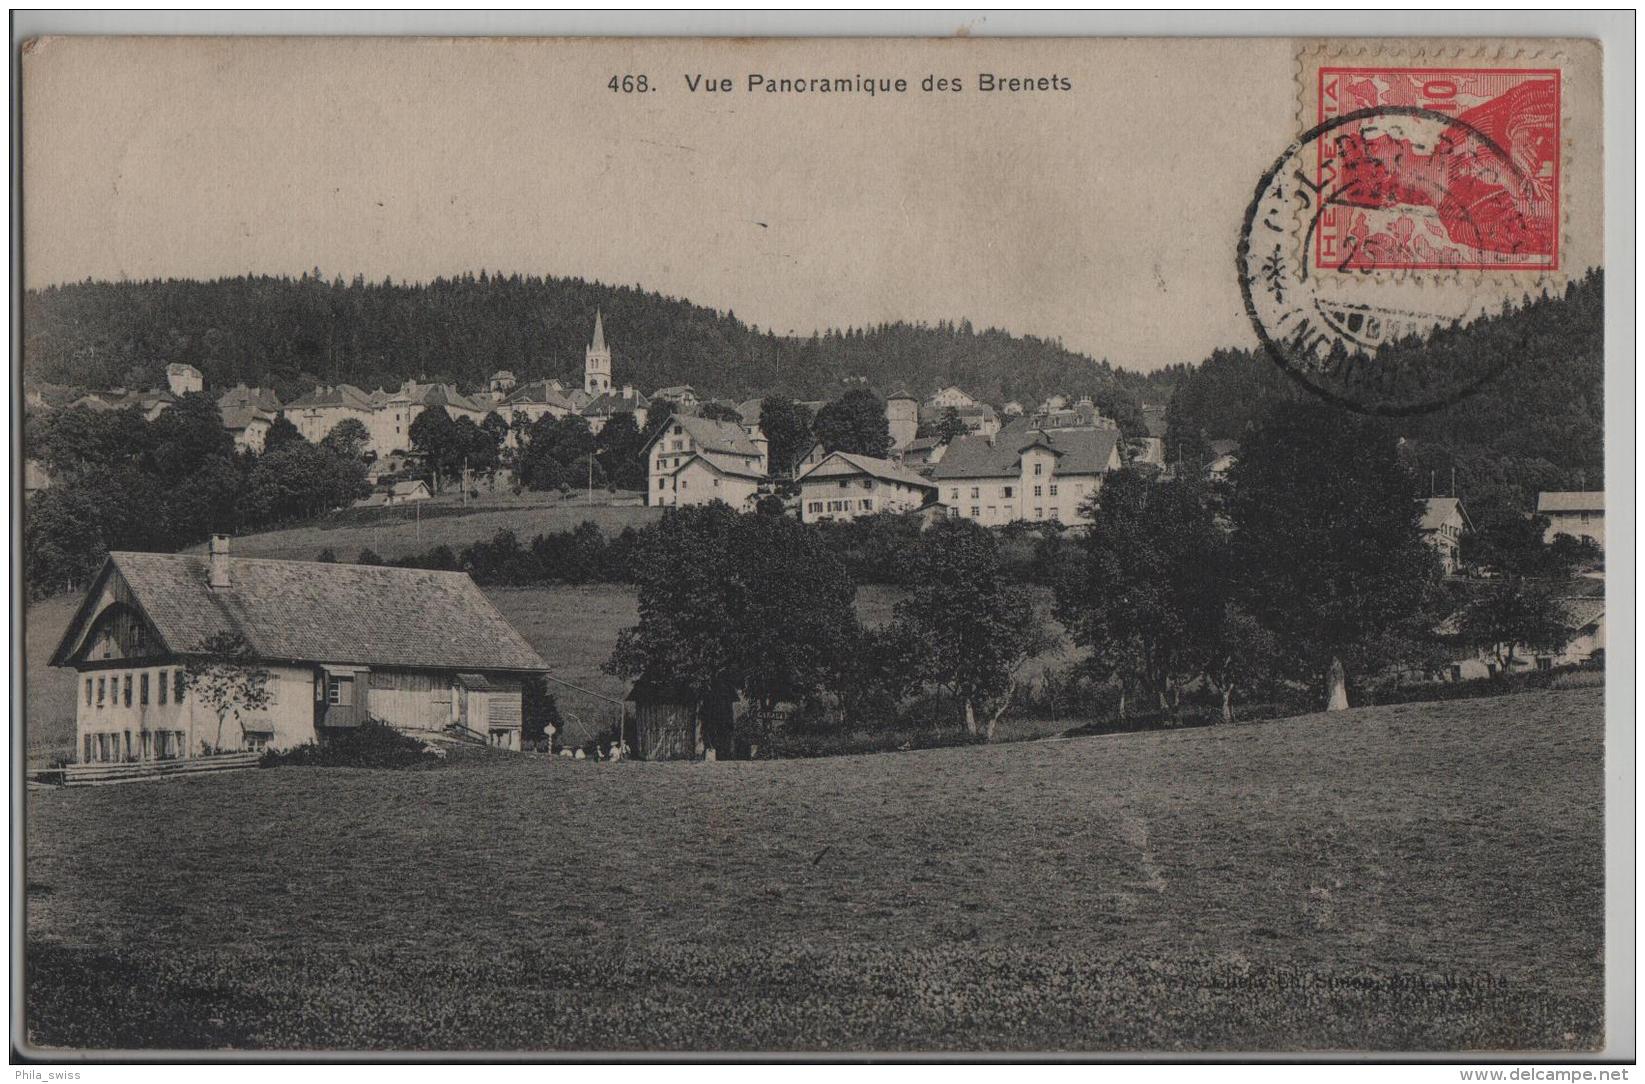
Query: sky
pixel 1104 215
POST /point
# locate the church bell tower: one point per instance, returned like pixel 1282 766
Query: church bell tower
pixel 597 361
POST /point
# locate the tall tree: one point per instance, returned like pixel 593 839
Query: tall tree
pixel 434 434
pixel 1326 542
pixel 855 423
pixel 787 428
pixel 1515 613
pixel 618 447
pixel 280 433
pixel 348 437
pixel 736 605
pixel 977 628
pixel 1147 591
pixel 183 437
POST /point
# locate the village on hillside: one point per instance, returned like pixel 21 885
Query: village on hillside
pixel 863 459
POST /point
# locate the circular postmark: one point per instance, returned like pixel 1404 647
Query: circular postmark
pixel 1333 305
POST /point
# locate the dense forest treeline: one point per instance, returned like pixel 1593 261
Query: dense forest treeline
pixel 1539 424
pixel 293 333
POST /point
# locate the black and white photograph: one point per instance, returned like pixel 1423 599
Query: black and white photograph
pixel 836 547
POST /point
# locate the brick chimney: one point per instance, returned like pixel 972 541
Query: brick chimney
pixel 218 578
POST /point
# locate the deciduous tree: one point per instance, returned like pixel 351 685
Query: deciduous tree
pixel 855 423
pixel 977 628
pixel 229 679
pixel 1326 542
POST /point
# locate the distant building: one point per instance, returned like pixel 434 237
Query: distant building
pixel 1578 514
pixel 183 379
pixel 422 651
pixel 531 401
pixel 1012 409
pixel 151 403
pixel 681 395
pixel 845 486
pixel 1082 415
pixel 1443 523
pixel 608 405
pixel 501 382
pixel 813 455
pixel 248 426
pixel 1223 454
pixel 696 460
pixel 241 397
pixel 977 417
pixel 319 412
pixel 597 361
pixel 922 454
pixel 949 397
pixel 1037 476
pixel 902 416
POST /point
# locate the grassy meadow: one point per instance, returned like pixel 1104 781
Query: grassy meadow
pixel 1422 877
pixel 408 529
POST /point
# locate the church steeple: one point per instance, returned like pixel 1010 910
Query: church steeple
pixel 597 360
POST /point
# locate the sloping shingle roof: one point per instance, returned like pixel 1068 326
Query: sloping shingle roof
pixel 883 469
pixel 1081 451
pixel 538 392
pixel 612 403
pixel 241 397
pixel 1436 510
pixel 307 611
pixel 710 435
pixel 724 464
pixel 341 395
pixel 238 418
pixel 1570 502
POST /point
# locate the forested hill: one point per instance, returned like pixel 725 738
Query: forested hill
pixel 1538 425
pixel 292 333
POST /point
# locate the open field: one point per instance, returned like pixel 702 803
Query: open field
pixel 402 531
pixel 1411 877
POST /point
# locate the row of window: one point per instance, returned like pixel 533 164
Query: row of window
pixel 1039 512
pixel 149 745
pixel 111 690
pixel 820 507
pixel 1005 491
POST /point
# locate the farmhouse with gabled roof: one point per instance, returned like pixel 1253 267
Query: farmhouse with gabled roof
pixel 845 486
pixel 421 650
pixel 696 460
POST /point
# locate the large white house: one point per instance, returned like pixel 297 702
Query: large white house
pixel 695 460
pixel 1025 474
pixel 1580 515
pixel 318 413
pixel 845 486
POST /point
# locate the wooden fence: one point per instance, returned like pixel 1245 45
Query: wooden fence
pixel 93 775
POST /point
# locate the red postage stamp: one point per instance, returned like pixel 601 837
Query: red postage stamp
pixel 1476 188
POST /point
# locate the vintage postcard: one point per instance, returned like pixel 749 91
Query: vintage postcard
pixel 813 547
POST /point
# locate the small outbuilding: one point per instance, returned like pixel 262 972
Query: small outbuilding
pixel 668 724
